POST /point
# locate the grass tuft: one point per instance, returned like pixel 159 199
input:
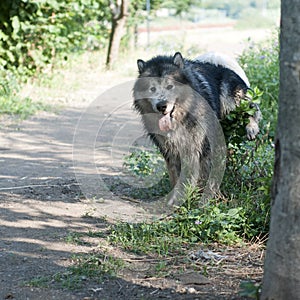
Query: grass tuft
pixel 11 103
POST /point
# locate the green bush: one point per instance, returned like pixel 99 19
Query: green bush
pixel 234 124
pixel 249 170
pixel 214 222
pixel 261 63
pixel 142 162
pixel 33 33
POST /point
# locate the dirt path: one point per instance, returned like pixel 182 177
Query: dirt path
pixel 41 203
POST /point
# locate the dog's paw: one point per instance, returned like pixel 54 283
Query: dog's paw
pixel 252 129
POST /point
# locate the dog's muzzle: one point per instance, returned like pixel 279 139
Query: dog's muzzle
pixel 161 106
pixel 164 107
pixel 165 123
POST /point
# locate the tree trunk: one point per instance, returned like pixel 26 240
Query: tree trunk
pixel 282 264
pixel 119 16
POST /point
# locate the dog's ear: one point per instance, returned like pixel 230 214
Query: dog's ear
pixel 141 65
pixel 178 60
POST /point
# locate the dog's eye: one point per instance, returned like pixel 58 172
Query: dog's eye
pixel 170 86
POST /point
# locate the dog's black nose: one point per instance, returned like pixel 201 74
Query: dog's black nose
pixel 161 106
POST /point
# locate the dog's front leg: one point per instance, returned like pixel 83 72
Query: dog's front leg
pixel 252 127
pixel 173 166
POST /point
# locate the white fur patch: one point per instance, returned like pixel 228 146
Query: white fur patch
pixel 225 61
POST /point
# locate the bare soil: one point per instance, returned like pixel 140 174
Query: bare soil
pixel 41 205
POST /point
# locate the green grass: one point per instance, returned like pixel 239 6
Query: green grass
pixel 40 281
pixel 11 103
pixel 215 222
pixel 23 108
pixel 94 267
pixel 77 238
pixel 147 238
pixel 147 168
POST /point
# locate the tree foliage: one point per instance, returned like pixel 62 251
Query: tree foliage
pixel 34 32
pixel 180 6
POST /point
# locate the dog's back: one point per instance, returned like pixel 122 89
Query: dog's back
pixel 219 79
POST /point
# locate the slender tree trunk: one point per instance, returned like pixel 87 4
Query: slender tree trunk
pixel 119 16
pixel 136 36
pixel 282 264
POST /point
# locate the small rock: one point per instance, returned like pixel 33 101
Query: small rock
pixel 191 290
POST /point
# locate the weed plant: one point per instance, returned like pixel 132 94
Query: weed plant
pixel 10 100
pixel 94 266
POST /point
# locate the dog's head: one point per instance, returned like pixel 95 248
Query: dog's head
pixel 160 85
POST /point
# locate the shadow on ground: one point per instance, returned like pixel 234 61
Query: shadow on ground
pixel 42 205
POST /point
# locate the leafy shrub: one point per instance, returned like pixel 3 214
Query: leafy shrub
pixel 215 222
pixel 261 64
pixel 249 169
pixel 247 182
pixel 146 167
pixel 32 33
pixel 144 163
pixel 234 124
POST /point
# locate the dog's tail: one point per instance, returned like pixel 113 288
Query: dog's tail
pixel 225 61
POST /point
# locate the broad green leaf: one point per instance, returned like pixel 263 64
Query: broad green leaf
pixel 15 22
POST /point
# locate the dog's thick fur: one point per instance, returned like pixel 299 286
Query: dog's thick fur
pixel 180 100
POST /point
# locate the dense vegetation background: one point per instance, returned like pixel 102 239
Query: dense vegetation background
pixel 34 33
